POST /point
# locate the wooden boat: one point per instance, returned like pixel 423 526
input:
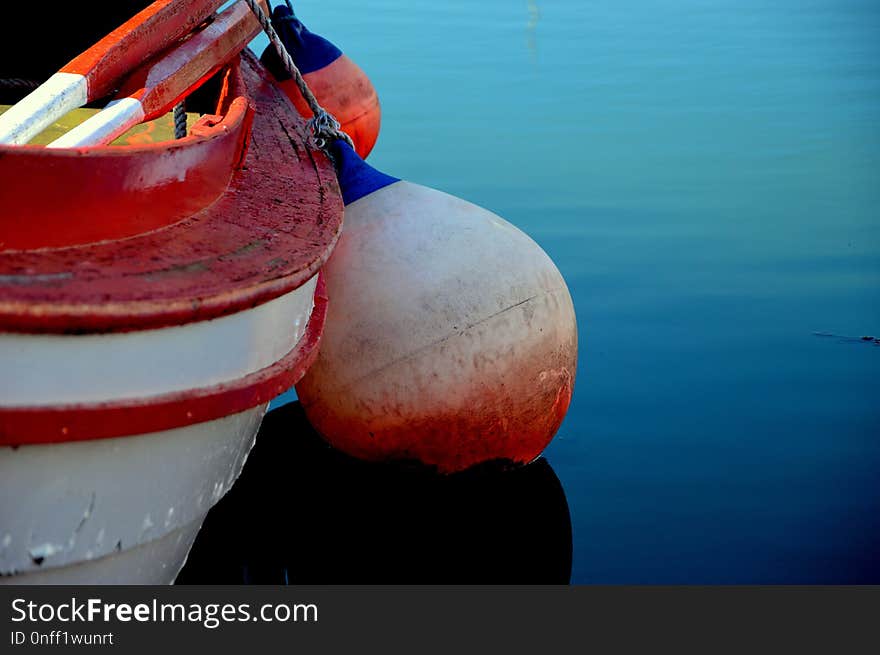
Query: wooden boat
pixel 153 299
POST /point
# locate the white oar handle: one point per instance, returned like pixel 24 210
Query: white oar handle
pixel 114 120
pixel 60 94
pixel 97 71
pixel 153 89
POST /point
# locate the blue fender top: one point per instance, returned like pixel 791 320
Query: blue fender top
pixel 356 177
pixel 309 51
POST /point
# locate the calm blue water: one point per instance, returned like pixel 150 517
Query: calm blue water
pixel 707 177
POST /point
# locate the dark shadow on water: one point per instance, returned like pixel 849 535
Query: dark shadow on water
pixel 302 513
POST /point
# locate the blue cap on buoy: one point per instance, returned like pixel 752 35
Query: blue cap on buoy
pixel 356 177
pixel 309 51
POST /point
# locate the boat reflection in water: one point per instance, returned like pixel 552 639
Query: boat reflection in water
pixel 302 513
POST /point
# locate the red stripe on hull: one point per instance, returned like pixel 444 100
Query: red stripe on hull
pixel 43 425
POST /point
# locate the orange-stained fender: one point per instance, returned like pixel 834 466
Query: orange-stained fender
pixel 344 90
pixel 339 84
pixel 451 336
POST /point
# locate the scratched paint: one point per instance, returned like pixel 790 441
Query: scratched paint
pixel 266 235
pixel 115 495
pixel 67 197
pixel 455 347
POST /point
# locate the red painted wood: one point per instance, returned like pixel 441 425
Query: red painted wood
pixel 141 37
pixel 55 197
pixel 268 233
pixel 161 83
pixel 41 425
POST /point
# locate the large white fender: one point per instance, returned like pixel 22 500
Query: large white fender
pixel 451 336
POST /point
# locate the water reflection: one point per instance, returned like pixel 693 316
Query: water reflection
pixel 302 513
pixel 531 28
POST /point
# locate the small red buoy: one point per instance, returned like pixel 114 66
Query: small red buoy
pixel 339 84
pixel 451 336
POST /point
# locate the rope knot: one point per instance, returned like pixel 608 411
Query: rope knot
pixel 326 129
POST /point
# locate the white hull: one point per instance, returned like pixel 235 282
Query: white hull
pixel 125 510
pixel 115 511
pixel 153 563
pixel 48 369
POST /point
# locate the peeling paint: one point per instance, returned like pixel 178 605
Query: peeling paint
pixel 40 553
pixel 305 234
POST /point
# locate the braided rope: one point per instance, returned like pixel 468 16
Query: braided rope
pixel 324 126
pixel 18 83
pixel 179 120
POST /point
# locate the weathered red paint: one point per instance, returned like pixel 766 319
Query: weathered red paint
pixel 56 197
pixel 344 90
pixel 506 418
pixel 268 233
pixel 141 37
pixel 40 425
pixel 161 83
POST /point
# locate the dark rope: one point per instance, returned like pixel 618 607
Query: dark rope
pixel 18 83
pixel 13 89
pixel 179 120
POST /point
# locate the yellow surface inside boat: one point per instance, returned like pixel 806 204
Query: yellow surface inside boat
pixel 161 129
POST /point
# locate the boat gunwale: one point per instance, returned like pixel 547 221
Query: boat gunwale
pixel 59 189
pixel 272 230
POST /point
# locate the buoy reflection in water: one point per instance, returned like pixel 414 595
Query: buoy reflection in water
pixel 303 513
